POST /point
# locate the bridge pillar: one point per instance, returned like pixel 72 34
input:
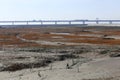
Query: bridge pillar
pixel 110 22
pixel 55 22
pixel 69 22
pixel 12 22
pixel 83 22
pixel 27 22
pixel 97 22
pixel 41 22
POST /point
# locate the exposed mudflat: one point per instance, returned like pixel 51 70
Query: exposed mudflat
pixel 60 53
pixel 99 69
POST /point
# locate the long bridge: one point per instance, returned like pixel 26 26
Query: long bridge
pixel 59 22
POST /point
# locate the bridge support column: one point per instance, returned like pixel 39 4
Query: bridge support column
pixel 83 22
pixel 55 22
pixel 69 22
pixel 110 22
pixel 13 23
pixel 97 22
pixel 27 22
pixel 41 23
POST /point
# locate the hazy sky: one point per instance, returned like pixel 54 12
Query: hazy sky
pixel 59 9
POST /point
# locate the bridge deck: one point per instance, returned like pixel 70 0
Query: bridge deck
pixel 56 22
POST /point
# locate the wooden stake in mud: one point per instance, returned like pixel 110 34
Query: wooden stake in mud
pixel 67 66
pixel 39 74
pixel 51 66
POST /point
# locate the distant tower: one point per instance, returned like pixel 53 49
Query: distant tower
pixel 97 20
